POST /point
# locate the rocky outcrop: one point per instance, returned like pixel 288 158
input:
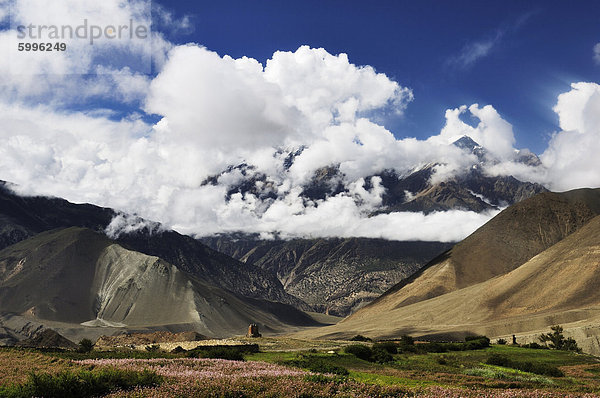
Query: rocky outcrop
pixel 48 338
pixel 471 190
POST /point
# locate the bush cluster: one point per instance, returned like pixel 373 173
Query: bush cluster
pixel 481 339
pixel 85 345
pixel 388 346
pixel 81 384
pixel 318 365
pixel 381 352
pixel 471 343
pixel 360 351
pixel 535 346
pixel 219 352
pixel 232 353
pixel 360 337
pixel 530 367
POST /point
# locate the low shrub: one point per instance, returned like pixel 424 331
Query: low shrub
pixel 475 345
pixel 499 360
pixel 178 350
pixel 85 345
pixel 360 337
pixel 408 349
pixel 431 347
pixel 501 342
pixel 84 383
pixel 360 351
pixel 535 346
pixel 318 365
pixel 388 346
pixel 406 340
pixel 380 355
pixel 472 344
pixel 476 342
pixel 508 376
pixel 477 338
pixel 324 367
pixel 220 352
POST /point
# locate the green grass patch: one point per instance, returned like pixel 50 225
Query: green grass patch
pixel 452 361
pixel 271 356
pixel 551 357
pixel 525 366
pixel 445 363
pixel 317 364
pixel 505 374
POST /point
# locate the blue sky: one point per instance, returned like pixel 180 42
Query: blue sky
pixel 516 55
pixel 97 124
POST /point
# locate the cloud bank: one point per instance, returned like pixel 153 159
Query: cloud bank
pixel 216 112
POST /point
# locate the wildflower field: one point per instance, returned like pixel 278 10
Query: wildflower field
pixel 309 373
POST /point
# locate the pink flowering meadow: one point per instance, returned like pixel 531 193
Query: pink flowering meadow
pixel 199 368
pixel 191 377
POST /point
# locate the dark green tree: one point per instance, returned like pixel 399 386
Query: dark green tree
pixel 85 345
pixel 407 340
pixel 557 340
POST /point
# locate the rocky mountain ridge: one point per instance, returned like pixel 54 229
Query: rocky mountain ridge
pixel 534 265
pixel 80 278
pixel 334 276
pixel 414 191
pixel 22 217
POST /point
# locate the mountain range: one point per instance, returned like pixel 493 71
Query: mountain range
pixel 85 270
pixel 78 276
pixel 534 265
pixel 338 276
pixel 334 276
pixel 25 216
pixel 58 267
pixel 413 190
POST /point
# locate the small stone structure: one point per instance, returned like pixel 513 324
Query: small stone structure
pixel 253 331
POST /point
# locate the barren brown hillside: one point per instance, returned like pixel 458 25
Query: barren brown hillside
pixel 558 286
pixel 501 245
pixel 80 278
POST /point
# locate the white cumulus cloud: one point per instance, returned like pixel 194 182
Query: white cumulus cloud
pixel 571 158
pixel 216 111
